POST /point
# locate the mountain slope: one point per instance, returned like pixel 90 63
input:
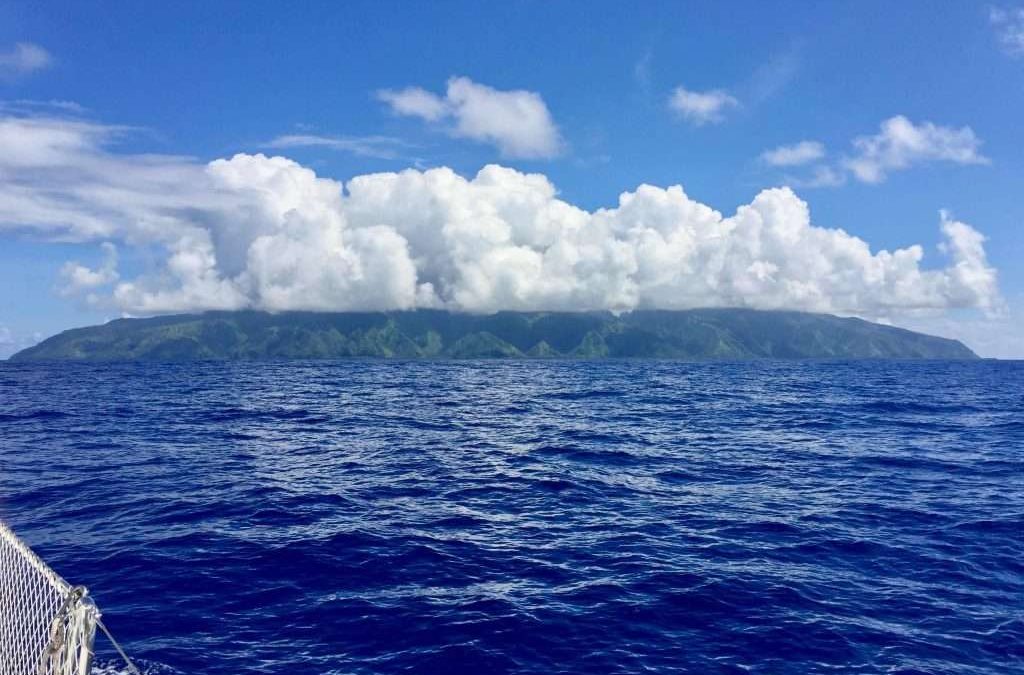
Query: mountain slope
pixel 689 334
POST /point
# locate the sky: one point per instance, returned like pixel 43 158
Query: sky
pixel 863 159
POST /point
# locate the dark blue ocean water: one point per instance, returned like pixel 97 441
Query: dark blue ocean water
pixel 531 517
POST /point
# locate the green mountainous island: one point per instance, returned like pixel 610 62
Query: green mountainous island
pixel 718 334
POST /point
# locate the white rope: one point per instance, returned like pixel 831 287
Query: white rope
pixel 128 661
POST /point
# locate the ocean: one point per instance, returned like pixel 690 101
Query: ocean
pixel 530 517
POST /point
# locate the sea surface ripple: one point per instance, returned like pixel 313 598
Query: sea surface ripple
pixel 531 516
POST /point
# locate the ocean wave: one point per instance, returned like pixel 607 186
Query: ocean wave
pixel 530 517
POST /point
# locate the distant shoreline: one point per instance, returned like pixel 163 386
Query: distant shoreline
pixel 697 335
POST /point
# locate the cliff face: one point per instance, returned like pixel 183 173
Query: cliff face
pixel 691 334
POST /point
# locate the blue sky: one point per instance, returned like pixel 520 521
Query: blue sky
pixel 662 94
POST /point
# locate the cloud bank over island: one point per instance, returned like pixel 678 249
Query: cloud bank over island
pixel 253 231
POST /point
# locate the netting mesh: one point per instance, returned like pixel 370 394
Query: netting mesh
pixel 46 626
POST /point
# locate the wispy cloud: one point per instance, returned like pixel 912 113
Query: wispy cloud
pixel 642 71
pixel 379 147
pixel 24 58
pixel 1008 23
pixel 899 145
pixel 59 105
pixel 773 76
pixel 701 107
pixel 803 152
pixel 711 106
pixel 821 176
pixel 517 122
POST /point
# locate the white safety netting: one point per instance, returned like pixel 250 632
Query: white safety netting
pixel 46 625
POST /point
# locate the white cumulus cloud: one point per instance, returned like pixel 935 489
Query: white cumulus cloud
pixel 261 232
pixel 517 122
pixel 900 144
pixel 701 107
pixel 415 102
pixel 24 58
pixel 77 278
pixel 803 152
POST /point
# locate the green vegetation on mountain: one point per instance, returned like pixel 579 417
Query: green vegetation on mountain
pixel 690 334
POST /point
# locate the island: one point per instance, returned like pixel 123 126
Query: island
pixel 698 334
